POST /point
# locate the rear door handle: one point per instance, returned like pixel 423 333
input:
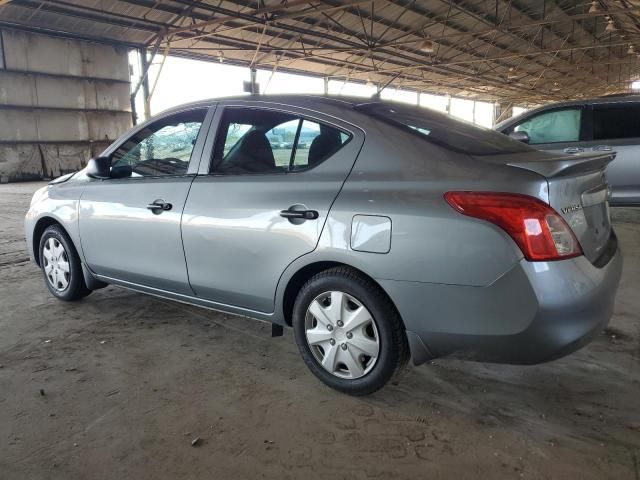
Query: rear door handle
pixel 573 150
pixel 301 214
pixel 159 206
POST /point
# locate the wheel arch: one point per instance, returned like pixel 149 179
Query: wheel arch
pixel 38 230
pixel 304 273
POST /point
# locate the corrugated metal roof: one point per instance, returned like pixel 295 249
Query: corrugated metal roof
pixel 521 51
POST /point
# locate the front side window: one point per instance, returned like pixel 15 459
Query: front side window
pixel 553 127
pixel 162 148
pixel 254 141
pixel 611 122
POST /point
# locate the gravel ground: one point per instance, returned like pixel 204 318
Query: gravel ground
pixel 120 385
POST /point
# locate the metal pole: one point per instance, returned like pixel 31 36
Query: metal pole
pixel 326 85
pixel 254 83
pixel 145 83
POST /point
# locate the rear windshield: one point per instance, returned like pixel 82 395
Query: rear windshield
pixel 445 131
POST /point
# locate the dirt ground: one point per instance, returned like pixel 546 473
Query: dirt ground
pixel 119 385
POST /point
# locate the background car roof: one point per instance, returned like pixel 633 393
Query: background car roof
pixel 610 99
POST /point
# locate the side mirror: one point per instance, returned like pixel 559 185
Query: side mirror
pixel 521 136
pixel 99 167
pixel 122 171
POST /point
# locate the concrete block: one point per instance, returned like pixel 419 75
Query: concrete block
pixel 62 126
pixel 107 125
pixel 64 92
pixel 42 53
pixel 105 61
pixel 112 96
pixel 45 91
pixel 20 162
pixel 18 125
pixel 61 159
pixel 40 161
pixel 17 89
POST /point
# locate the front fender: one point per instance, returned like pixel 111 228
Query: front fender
pixel 58 203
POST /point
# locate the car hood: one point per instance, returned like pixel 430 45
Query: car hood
pixel 62 179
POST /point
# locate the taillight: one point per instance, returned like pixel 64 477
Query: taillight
pixel 536 228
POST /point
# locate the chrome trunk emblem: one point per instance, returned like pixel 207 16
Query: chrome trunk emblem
pixel 570 208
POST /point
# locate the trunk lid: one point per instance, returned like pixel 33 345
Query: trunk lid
pixel 578 191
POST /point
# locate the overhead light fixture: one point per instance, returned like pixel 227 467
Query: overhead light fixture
pixel 220 56
pixel 512 75
pixel 610 26
pixel 594 7
pixel 631 50
pixel 426 46
pixel 369 83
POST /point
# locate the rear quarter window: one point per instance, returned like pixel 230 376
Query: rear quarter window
pixel 445 131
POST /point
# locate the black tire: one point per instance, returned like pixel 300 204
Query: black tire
pixel 75 288
pixel 393 347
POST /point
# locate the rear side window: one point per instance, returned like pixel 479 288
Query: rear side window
pixel 616 121
pixel 553 127
pixel 445 131
pixel 255 141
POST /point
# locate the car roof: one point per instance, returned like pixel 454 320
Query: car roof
pixel 300 100
pixel 611 99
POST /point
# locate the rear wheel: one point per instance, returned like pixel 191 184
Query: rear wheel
pixel 348 332
pixel 61 266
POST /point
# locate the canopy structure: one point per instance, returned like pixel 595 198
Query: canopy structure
pixel 517 51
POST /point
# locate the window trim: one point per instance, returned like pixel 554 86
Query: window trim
pixel 582 134
pixel 196 153
pixel 296 139
pixel 299 112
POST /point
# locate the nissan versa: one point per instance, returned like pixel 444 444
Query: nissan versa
pixel 379 232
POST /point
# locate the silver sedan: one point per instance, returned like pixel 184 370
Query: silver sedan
pixel 378 232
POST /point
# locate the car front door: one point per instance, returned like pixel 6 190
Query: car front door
pixel 558 130
pixel 263 199
pixel 130 223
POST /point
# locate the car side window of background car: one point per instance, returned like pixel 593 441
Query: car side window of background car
pixel 162 148
pixel 254 141
pixel 611 122
pixel 553 127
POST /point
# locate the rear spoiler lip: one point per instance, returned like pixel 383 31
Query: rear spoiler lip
pixel 566 165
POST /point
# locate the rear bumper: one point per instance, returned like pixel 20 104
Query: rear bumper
pixel 536 312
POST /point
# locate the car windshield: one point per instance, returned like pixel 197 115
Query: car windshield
pixel 444 130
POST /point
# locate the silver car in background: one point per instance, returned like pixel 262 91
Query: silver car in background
pixel 379 232
pixel 606 124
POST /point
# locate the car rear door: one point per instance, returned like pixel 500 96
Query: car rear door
pixel 130 223
pixel 615 127
pixel 263 199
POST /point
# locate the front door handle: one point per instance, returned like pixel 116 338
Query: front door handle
pixel 159 206
pixel 573 150
pixel 602 148
pixel 301 214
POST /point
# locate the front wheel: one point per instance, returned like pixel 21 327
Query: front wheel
pixel 348 331
pixel 61 266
